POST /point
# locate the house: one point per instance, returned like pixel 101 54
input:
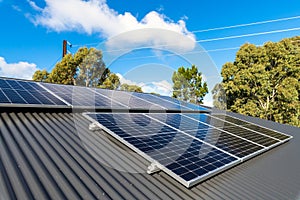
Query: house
pixel 48 152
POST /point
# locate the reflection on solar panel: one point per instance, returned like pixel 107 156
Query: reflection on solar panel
pixel 26 93
pixel 130 100
pixel 83 96
pixel 183 104
pixel 172 104
pixel 251 126
pixel 36 93
pixel 189 147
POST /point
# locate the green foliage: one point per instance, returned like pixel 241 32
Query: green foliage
pixel 130 88
pixel 64 72
pixel 85 67
pixel 265 81
pixel 40 76
pixel 112 82
pixel 188 85
pixel 91 69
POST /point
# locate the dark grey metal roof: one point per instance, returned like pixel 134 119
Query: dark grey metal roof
pixel 53 155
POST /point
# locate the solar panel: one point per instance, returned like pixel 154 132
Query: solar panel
pixel 186 146
pixel 26 93
pixel 78 96
pixel 186 158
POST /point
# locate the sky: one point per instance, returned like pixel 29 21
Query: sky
pixel 142 41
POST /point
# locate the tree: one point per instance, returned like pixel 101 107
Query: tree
pixel 219 97
pixel 64 72
pixel 130 88
pixel 112 82
pixel 85 67
pixel 188 85
pixel 265 81
pixel 91 68
pixel 40 76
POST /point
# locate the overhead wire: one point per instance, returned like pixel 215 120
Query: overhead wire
pixel 228 27
pixel 186 53
pixel 51 66
pixel 248 24
pixel 195 52
pixel 212 39
pixel 249 35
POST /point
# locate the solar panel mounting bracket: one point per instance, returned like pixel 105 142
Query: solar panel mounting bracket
pixel 153 168
pixel 94 127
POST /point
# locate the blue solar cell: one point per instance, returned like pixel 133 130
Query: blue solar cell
pixel 14 96
pixel 4 84
pixel 30 99
pixel 3 98
pixel 15 85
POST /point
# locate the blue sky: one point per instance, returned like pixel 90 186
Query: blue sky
pixel 32 32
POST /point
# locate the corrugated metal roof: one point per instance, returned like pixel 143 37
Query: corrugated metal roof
pixel 55 156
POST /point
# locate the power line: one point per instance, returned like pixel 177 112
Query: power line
pixel 216 39
pixel 249 35
pixel 248 24
pixel 220 28
pixel 213 39
pixel 51 66
pixel 187 53
pixel 195 52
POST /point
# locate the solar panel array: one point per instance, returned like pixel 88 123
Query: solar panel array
pixel 187 145
pixel 27 93
pixel 190 147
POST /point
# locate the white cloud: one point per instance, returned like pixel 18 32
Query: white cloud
pixel 95 16
pixel 161 87
pixel 34 6
pixel 23 70
pixel 123 80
